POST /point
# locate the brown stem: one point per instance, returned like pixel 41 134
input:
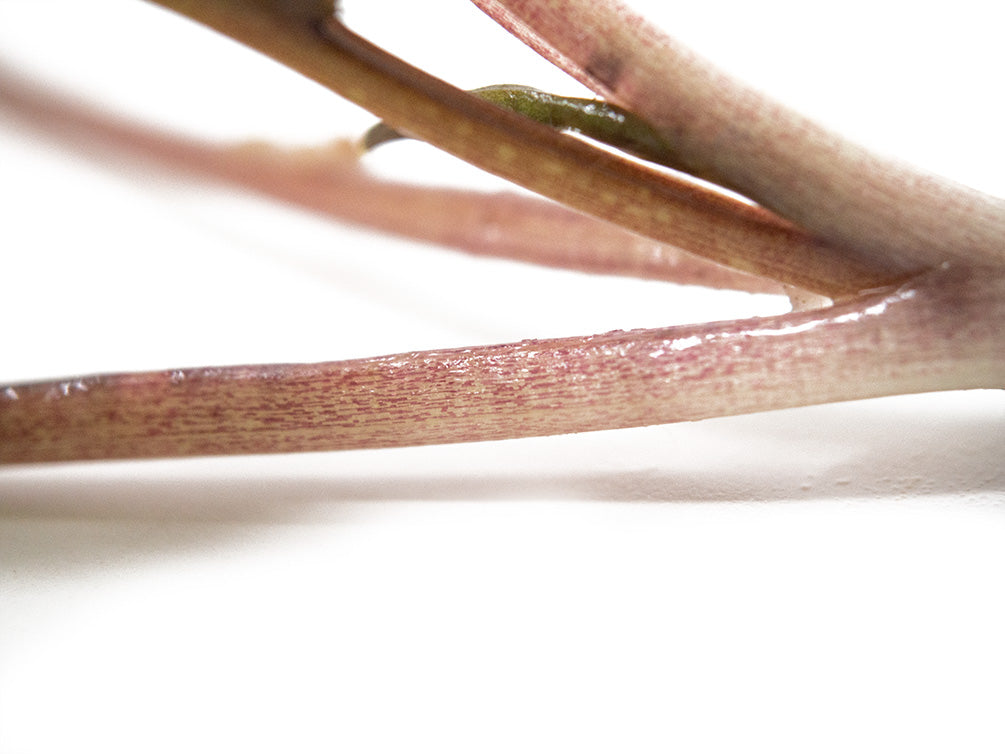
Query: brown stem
pixel 940 332
pixel 530 154
pixel 878 209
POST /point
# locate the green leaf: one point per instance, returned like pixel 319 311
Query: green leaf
pixel 592 118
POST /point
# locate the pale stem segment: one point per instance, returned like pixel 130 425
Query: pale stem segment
pixel 561 167
pixel 939 332
pixel 877 209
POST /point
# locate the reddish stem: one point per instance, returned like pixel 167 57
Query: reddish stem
pixel 332 181
pixel 938 333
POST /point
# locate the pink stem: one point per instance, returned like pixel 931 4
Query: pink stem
pixel 332 182
pixel 939 332
pixel 877 209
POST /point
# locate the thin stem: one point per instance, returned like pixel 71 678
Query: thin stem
pixel 331 181
pixel 877 209
pixel 940 332
pixel 530 154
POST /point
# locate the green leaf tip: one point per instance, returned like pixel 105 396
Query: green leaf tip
pixel 592 118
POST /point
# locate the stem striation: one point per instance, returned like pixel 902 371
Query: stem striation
pixel 937 333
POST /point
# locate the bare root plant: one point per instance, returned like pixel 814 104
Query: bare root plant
pixel 898 276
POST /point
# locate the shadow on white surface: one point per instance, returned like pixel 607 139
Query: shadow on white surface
pixel 858 452
pixel 835 588
pixel 837 580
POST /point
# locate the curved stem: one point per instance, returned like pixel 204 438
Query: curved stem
pixel 877 209
pixel 940 332
pixel 530 154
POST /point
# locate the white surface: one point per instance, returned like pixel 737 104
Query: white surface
pixel 821 579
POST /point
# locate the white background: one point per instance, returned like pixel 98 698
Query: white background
pixel 824 579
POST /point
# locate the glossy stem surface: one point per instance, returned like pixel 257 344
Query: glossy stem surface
pixel 940 332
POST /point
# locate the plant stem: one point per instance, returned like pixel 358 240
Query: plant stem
pixel 331 181
pixel 940 332
pixel 877 209
pixel 535 156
